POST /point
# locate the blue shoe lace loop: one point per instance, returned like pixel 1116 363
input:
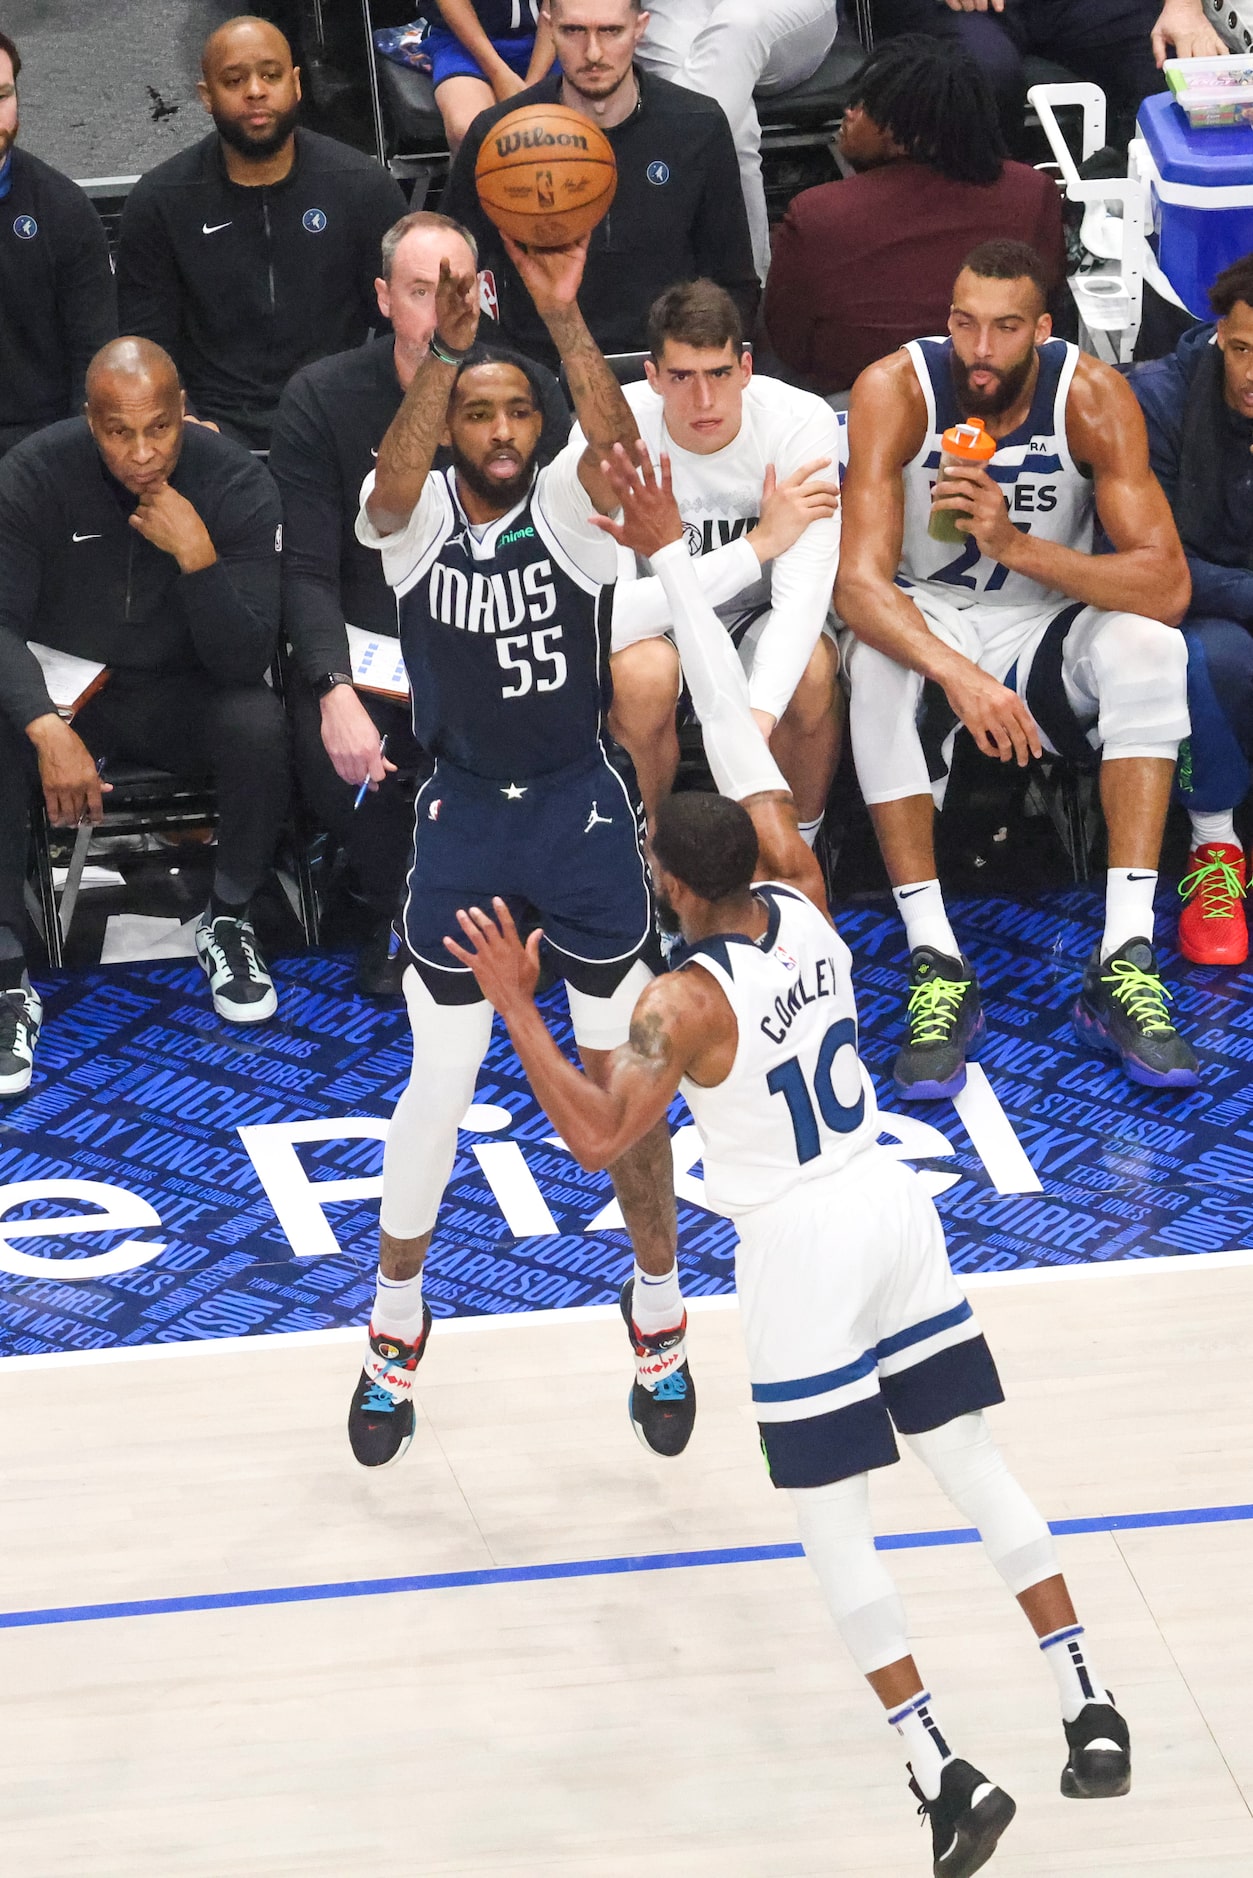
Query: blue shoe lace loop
pixel 671 1388
pixel 379 1401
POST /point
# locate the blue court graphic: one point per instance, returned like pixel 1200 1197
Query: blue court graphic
pixel 169 1177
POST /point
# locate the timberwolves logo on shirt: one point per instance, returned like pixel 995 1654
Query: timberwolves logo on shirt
pixel 658 173
pixel 314 220
pixel 26 227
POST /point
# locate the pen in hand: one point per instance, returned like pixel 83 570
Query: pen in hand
pixel 361 793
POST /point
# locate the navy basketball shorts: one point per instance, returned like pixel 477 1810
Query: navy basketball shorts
pixel 854 1324
pixel 562 850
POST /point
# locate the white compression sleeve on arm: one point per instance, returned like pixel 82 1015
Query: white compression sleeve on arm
pixel 739 755
pixel 641 608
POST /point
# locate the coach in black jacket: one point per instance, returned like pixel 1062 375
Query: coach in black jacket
pixel 255 251
pixel 57 304
pixel 130 539
pixel 679 209
pixel 330 422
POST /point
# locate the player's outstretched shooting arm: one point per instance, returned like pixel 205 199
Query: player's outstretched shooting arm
pixel 413 436
pixel 682 1024
pixel 552 277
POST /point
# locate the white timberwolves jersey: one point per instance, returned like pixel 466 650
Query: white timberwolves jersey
pixel 1048 494
pixel 797 1102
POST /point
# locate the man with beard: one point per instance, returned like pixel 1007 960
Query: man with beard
pixel 255 251
pixel 57 304
pixel 503 607
pixel 1018 631
pixel 679 208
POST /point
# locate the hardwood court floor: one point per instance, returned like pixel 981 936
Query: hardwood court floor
pixel 703 1721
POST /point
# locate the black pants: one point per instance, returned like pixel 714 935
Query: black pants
pixel 377 838
pixel 1104 41
pixel 234 737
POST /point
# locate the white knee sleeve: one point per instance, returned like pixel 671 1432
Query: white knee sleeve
pixel 971 1470
pixel 604 1023
pixel 449 1043
pixel 838 1539
pixel 1134 671
pixel 883 721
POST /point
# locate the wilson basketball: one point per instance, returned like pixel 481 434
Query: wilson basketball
pixel 545 175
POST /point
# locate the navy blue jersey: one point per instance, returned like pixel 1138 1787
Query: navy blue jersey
pixel 502 19
pixel 505 627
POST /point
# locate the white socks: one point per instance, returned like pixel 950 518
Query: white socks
pixel 921 906
pixel 656 1303
pixel 925 1747
pixel 397 1308
pixel 1209 831
pixel 1128 907
pixel 1076 1682
pixel 808 831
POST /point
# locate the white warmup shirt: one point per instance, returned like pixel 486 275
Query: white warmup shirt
pixel 719 498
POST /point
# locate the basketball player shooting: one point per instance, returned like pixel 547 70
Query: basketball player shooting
pixel 503 609
pixel 855 1327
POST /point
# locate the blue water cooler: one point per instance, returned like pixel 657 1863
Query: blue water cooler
pixel 1201 187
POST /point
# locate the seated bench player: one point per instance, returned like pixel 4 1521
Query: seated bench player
pixel 854 1326
pixel 722 427
pixel 331 420
pixel 1018 631
pixel 151 545
pixel 503 591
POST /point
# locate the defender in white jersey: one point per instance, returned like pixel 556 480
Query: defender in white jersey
pixel 1020 632
pixel 856 1329
pixel 724 429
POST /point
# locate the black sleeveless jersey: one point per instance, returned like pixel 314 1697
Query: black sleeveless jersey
pixel 506 642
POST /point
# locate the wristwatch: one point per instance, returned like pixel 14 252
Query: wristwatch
pixel 328 682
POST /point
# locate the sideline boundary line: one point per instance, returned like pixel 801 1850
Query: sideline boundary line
pixel 1080 1271
pixel 579 1568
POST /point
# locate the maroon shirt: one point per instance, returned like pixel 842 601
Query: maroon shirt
pixel 862 265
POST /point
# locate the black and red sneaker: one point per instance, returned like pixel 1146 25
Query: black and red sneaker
pixel 662 1402
pixel 380 1417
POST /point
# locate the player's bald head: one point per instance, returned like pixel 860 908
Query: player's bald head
pixel 129 367
pixel 246 36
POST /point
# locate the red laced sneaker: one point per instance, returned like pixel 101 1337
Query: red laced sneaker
pixel 1212 926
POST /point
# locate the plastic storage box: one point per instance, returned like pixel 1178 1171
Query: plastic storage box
pixel 1214 93
pixel 1201 183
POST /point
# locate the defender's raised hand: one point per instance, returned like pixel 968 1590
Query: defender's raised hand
pixel 506 970
pixel 650 514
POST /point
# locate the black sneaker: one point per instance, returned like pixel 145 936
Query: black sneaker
pixel 243 991
pixel 380 1416
pixel 21 1014
pixel 1121 1011
pixel 1099 1767
pixel 945 1018
pixel 381 964
pixel 966 1820
pixel 662 1402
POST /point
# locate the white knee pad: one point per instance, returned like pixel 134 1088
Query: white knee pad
pixel 838 1539
pixel 1135 671
pixel 449 1043
pixel 604 1023
pixel 883 722
pixel 971 1470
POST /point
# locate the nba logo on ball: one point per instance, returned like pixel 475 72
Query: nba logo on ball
pixel 314 220
pixel 658 173
pixel 26 228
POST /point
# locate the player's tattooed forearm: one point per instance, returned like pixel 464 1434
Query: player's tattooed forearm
pixel 603 413
pixel 413 437
pixel 650 1038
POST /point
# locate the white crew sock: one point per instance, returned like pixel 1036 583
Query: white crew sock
pixel 1128 907
pixel 921 906
pixel 1077 1684
pixel 656 1303
pixel 808 831
pixel 397 1308
pixel 1209 830
pixel 925 1747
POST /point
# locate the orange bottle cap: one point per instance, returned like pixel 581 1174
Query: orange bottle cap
pixel 970 442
